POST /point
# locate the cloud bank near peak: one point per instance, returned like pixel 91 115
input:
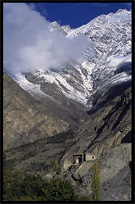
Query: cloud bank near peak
pixel 29 45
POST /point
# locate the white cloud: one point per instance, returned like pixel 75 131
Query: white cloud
pixel 29 45
pixel 39 7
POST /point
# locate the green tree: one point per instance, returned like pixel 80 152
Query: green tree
pixel 55 166
pixel 58 189
pixel 82 198
pixel 96 185
pixel 19 186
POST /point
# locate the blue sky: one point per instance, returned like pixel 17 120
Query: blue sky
pixel 76 14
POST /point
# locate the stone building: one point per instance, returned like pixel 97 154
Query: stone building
pixel 81 157
pixel 78 158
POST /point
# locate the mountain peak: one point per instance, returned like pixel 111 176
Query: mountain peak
pixel 55 23
pixel 55 26
pixel 122 10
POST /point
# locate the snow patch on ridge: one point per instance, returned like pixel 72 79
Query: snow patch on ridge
pixel 116 60
pixel 60 78
pixel 33 89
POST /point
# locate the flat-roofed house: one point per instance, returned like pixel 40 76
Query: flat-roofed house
pixel 81 157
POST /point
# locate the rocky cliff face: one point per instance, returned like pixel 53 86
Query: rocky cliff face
pixel 108 135
pixel 109 123
pixel 26 119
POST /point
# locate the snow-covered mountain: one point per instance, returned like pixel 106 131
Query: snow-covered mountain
pixel 108 64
